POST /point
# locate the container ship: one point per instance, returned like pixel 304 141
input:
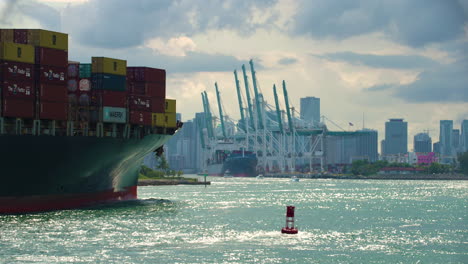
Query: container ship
pixel 74 134
pixel 237 163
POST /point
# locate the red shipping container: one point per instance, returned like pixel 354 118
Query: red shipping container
pixel 53 92
pixel 136 88
pixel 139 102
pixel 11 70
pixel 84 85
pixel 130 74
pixel 18 89
pixel 22 108
pixel 53 110
pixel 51 57
pixel 20 36
pixel 109 98
pixel 73 69
pixel 158 105
pixel 140 117
pixel 51 74
pixel 154 89
pixel 146 74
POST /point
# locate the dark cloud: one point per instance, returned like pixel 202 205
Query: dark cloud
pixel 448 83
pixel 415 23
pixel 192 62
pixel 382 61
pixel 123 23
pixel 445 83
pixel 48 16
pixel 287 61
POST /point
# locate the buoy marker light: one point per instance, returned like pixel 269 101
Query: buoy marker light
pixel 289 228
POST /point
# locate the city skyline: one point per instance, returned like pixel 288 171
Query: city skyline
pixel 364 58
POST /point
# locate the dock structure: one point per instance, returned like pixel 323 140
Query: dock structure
pixel 278 136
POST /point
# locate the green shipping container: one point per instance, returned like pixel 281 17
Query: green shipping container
pixel 111 82
pixel 85 70
pixel 114 115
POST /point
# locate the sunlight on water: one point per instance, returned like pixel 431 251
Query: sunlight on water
pixel 239 221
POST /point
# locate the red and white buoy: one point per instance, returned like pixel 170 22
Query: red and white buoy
pixel 289 228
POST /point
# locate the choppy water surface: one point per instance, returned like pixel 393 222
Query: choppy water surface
pixel 239 221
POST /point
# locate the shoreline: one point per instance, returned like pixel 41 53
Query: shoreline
pixel 441 177
pixel 158 182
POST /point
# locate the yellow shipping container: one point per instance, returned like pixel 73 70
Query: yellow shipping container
pixel 16 52
pixel 48 39
pixel 170 106
pixel 109 65
pixel 158 120
pixel 6 35
pixel 171 120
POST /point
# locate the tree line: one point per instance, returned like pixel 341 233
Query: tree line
pixel 366 168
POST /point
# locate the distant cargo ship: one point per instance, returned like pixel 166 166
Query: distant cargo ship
pixel 238 163
pixel 74 134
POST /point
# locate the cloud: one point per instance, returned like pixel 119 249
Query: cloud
pixel 178 46
pixel 287 61
pixel 381 87
pixel 382 61
pixel 415 23
pixel 14 11
pixel 448 83
pixel 122 23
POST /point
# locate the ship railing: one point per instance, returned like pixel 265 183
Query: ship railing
pixel 39 127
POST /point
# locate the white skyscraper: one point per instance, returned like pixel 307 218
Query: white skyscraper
pixel 310 109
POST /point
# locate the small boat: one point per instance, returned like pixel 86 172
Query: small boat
pixel 227 174
pixel 260 176
pixel 294 179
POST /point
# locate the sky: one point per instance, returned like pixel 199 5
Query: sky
pixel 376 59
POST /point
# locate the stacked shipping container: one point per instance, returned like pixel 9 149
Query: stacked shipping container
pixel 16 77
pixel 79 89
pixel 38 82
pixel 109 91
pixel 33 75
pixel 147 92
pixel 51 61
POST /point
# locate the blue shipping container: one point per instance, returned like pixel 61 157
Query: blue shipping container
pixel 112 82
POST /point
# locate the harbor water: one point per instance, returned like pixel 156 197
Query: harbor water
pixel 238 220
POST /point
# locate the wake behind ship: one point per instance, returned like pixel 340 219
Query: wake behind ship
pixel 74 134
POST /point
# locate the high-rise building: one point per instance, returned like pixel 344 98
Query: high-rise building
pixel 345 149
pixel 382 146
pixel 396 136
pixel 456 140
pixel 310 109
pixel 422 143
pixel 464 136
pixel 367 144
pixel 446 142
pixel 436 147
